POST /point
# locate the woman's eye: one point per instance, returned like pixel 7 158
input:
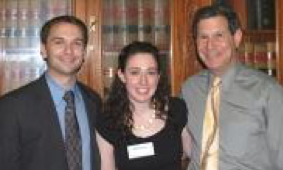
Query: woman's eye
pixel 134 72
pixel 152 73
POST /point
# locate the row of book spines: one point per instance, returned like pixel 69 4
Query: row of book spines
pixel 261 14
pixel 21 20
pixel 139 12
pixel 30 7
pixel 259 55
pixel 137 8
pixel 30 12
pixel 117 36
pixel 126 20
pixel 17 73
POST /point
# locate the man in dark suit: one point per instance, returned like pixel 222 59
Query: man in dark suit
pixel 33 129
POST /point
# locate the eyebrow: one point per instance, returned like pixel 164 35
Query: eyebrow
pixel 62 38
pixel 212 31
pixel 140 68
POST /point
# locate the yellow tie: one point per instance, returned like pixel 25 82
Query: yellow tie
pixel 210 137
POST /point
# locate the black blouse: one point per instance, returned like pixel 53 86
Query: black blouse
pixel 167 143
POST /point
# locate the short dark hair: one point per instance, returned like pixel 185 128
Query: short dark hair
pixel 45 30
pixel 213 11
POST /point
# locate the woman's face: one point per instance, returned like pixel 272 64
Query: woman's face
pixel 140 77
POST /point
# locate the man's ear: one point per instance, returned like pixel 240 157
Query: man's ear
pixel 43 52
pixel 121 76
pixel 238 35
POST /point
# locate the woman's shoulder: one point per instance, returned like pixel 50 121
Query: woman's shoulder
pixel 178 110
pixel 177 103
pixel 104 126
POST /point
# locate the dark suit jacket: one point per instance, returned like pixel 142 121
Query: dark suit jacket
pixel 30 134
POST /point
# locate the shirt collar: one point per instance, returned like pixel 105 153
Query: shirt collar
pixel 229 76
pixel 227 79
pixel 57 91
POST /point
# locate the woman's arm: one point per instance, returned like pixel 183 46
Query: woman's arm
pixel 107 153
pixel 187 142
pixel 187 147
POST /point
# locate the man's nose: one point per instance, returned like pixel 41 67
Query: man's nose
pixel 210 43
pixel 68 48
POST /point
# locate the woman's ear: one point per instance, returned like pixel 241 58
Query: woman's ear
pixel 121 76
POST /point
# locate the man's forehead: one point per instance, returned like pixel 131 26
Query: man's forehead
pixel 213 31
pixel 213 24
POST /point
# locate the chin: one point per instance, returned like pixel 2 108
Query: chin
pixel 212 64
pixel 141 100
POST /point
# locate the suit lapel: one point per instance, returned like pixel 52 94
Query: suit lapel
pixel 49 114
pixel 92 108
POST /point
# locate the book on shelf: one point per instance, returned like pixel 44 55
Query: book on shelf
pixel 23 24
pixel 161 29
pixel 259 55
pixel 271 58
pixel 246 54
pixel 119 24
pixel 145 18
pixel 11 27
pixel 261 14
pixel 108 32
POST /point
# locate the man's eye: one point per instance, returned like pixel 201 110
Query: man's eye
pixel 79 43
pixel 202 37
pixel 134 72
pixel 219 35
pixel 58 42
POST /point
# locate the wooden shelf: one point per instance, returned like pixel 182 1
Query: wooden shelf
pixel 260 35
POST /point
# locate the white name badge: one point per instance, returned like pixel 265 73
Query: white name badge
pixel 140 150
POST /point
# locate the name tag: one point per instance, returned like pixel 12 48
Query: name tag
pixel 140 150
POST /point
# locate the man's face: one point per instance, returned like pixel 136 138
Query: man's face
pixel 64 50
pixel 216 45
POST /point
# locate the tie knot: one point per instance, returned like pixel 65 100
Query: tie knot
pixel 69 96
pixel 216 81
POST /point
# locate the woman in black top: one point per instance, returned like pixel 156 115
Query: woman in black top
pixel 142 127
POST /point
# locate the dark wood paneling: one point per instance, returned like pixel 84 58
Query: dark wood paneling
pixel 184 61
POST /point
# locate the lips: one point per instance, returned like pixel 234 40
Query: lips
pixel 142 90
pixel 211 53
pixel 69 60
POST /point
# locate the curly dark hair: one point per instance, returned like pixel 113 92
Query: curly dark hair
pixel 118 107
pixel 213 11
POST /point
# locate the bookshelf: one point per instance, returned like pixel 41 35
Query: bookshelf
pixel 176 37
pixel 172 34
pixel 125 21
pixel 259 48
pixel 21 20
